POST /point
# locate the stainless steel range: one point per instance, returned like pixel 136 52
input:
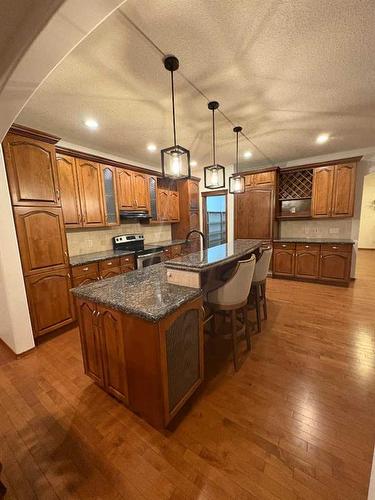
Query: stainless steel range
pixel 146 255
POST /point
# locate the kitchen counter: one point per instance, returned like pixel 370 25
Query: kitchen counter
pixel 314 240
pixel 167 243
pixel 219 255
pixel 144 293
pixel 79 260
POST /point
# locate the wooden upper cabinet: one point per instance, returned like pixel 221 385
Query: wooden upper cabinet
pixel 141 191
pixel 111 210
pixel 322 191
pixel 51 303
pixel 91 194
pixel 69 193
pixel 163 204
pixel 333 190
pixel 193 194
pixel 125 189
pixel 41 238
pixel 31 168
pixel 343 190
pixel 261 179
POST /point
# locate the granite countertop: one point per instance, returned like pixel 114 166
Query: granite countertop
pixel 214 256
pixel 144 293
pixel 166 243
pixel 79 260
pixel 314 240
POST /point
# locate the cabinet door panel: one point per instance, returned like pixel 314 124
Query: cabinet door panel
pixel 112 216
pixel 125 189
pixel 283 262
pixel 193 220
pixel 41 238
pixel 193 195
pixel 109 273
pixel 307 264
pixel 335 266
pixel 50 302
pixel 69 192
pixel 31 171
pixel 113 349
pixel 90 340
pixel 343 190
pixel 254 213
pixel 264 178
pixel 90 190
pixel 141 191
pixel 322 191
pixel 163 204
pixel 85 280
pixel 174 206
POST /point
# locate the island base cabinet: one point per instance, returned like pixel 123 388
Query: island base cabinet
pixel 152 367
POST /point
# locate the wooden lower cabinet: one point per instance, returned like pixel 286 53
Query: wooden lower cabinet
pixel 325 263
pixel 154 373
pixel 50 302
pixel 335 266
pixel 110 273
pixel 85 279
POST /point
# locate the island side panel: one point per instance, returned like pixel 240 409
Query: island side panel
pixel 182 355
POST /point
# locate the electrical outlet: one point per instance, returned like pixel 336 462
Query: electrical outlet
pixel 89 243
pixel 334 230
pixel 314 230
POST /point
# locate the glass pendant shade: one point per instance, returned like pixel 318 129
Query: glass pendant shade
pixel 175 162
pixel 214 177
pixel 236 183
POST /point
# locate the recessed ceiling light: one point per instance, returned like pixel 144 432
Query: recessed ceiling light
pixel 193 163
pixel 152 148
pixel 90 123
pixel 247 154
pixel 322 138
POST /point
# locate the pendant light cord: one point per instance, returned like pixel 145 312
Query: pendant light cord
pixel 173 111
pixel 236 152
pixel 213 137
pixel 156 47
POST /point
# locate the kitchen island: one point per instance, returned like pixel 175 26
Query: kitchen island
pixel 142 337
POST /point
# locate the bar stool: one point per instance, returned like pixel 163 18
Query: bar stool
pixel 232 297
pixel 258 286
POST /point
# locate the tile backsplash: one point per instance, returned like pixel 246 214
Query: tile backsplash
pixel 331 228
pixel 81 241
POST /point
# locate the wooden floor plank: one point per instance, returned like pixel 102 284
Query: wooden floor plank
pixel 297 421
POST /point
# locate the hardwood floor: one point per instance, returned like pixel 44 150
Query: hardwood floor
pixel 297 421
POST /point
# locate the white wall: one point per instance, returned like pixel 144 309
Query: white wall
pixel 367 219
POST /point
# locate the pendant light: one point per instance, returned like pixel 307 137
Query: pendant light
pixel 236 181
pixel 214 175
pixel 175 160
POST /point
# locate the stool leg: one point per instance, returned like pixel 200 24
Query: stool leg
pixel 264 300
pixel 247 330
pixel 257 307
pixel 233 317
pixel 213 325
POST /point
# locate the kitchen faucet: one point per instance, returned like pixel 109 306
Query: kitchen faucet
pixel 200 234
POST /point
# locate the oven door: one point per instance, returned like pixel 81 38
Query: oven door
pixel 149 259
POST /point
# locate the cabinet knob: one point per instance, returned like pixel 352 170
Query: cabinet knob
pixel 98 278
pixel 85 269
pixel 109 263
pixel 334 248
pixel 307 246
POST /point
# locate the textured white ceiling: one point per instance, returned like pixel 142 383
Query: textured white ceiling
pixel 284 70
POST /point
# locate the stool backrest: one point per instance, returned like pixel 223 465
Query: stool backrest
pixel 262 266
pixel 237 288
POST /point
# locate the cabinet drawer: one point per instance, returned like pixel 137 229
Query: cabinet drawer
pixel 109 273
pixel 86 279
pixel 85 269
pixel 311 247
pixel 285 246
pixel 109 263
pixel 127 261
pixel 337 247
pixel 127 269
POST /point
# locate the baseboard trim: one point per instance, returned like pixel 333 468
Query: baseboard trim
pixel 362 248
pixel 14 355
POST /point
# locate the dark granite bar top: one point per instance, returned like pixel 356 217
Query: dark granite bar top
pixel 144 293
pixel 79 260
pixel 214 256
pixel 166 243
pixel 336 241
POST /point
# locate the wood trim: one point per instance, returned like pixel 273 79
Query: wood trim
pixel 217 192
pixel 33 134
pixel 205 194
pixel 260 170
pixel 354 159
pixel 13 354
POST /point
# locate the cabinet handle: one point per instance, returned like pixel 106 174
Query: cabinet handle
pixel 93 312
pixel 283 246
pixel 334 248
pixel 98 278
pixel 58 194
pixel 97 314
pixel 109 263
pixel 65 253
pixel 69 275
pixel 307 246
pixel 85 269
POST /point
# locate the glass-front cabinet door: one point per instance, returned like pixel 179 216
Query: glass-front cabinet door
pixel 110 196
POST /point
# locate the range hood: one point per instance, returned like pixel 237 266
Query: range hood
pixel 134 214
